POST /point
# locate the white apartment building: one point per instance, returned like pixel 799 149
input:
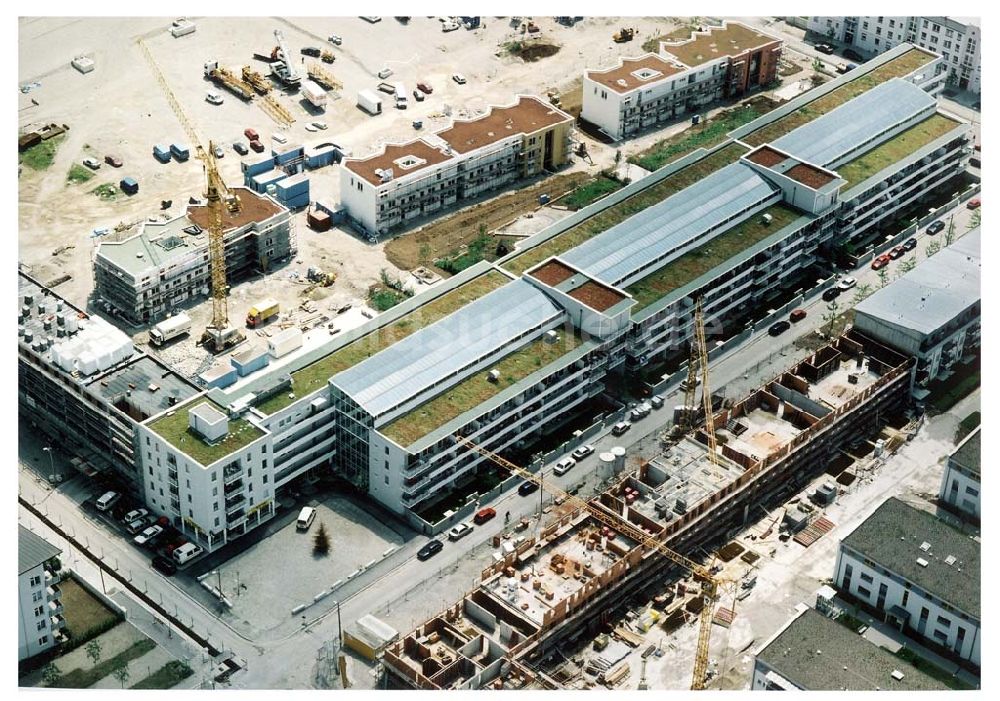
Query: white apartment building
pixel 961 483
pixel 165 266
pixel 919 573
pixel 713 64
pixel 39 611
pixel 957 40
pixel 932 312
pixel 472 156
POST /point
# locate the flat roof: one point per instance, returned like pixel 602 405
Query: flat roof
pixel 730 39
pixel 894 538
pixel 437 356
pixel 652 236
pixel 622 78
pixel 526 116
pixel 253 208
pixel 144 386
pixel 553 272
pixel 32 550
pixel 968 453
pixel 817 653
pixel 386 159
pixel 173 427
pixel 932 294
pixel 861 123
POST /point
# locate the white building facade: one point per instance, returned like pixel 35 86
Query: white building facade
pixel 39 610
pixel 961 483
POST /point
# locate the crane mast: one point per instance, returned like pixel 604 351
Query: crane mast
pixel 706 392
pixel 709 583
pixel 218 199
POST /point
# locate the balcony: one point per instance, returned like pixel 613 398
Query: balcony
pixel 234 502
pixel 55 608
pixel 53 578
pixel 58 622
pixel 234 486
pixel 236 517
pixel 232 474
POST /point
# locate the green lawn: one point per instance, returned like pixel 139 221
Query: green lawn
pixel 615 214
pixel 968 425
pixel 41 155
pixel 83 611
pixel 82 678
pixel 947 393
pixel 457 261
pixel 899 66
pixel 590 192
pixel 166 677
pixel 895 149
pixel 695 263
pixel 931 670
pixel 106 191
pixel 174 429
pixel 475 390
pixel 707 134
pixel 79 174
pixel 314 376
pixel 384 298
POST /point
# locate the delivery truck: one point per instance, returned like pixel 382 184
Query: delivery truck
pixel 261 312
pixel 315 94
pixel 400 96
pixel 169 329
pixel 369 102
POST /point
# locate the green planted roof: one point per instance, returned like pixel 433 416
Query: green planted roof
pixel 174 429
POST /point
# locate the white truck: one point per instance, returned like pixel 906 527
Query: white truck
pixel 315 94
pixel 169 329
pixel 182 26
pixel 401 97
pixel 369 102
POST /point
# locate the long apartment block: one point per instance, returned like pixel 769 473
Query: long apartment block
pixel 553 585
pixel 506 353
pixel 463 161
pixel 165 265
pixel 714 63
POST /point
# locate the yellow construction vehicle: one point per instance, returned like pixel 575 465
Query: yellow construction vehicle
pixel 255 80
pixel 327 57
pixel 220 200
pixel 320 75
pixel 624 34
pixel 710 585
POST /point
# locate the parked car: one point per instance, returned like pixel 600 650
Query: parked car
pixel 241 148
pixel 257 146
pixel 306 516
pixel 186 552
pixel 219 153
pixel 116 162
pixel 148 535
pixel 164 566
pixel 459 531
pixel 251 134
pixel 425 87
pixel 449 26
pixel 432 548
pixel 134 514
pixel 582 452
pixel 656 401
pixel 137 525
pixel 779 327
pixel 910 244
pixel 973 203
pixel 484 515
pixel 935 227
pixel 564 466
pixel 107 500
pixel 334 39
pixel 824 48
pixel 527 488
pixel 897 252
pixel 459 78
pixel 881 261
pixel 797 315
pixel 418 96
pixel 846 283
pixel 280 138
pixel 311 51
pixel 854 55
pixel 320 125
pixel 831 294
pixel 213 98
pixel 92 163
pixel 620 428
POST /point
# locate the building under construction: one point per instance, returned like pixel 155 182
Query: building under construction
pixel 553 589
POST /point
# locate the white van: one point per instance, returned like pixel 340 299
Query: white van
pixel 186 552
pixel 107 500
pixel 400 95
pixel 306 517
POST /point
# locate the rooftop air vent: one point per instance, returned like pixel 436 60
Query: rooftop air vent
pixel 897 675
pixel 950 560
pixel 493 376
pixel 922 562
pixel 925 546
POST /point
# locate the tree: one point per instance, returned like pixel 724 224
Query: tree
pixel 831 316
pixel 973 221
pixel 425 253
pixel 321 542
pixel 817 65
pixel 905 267
pixel 932 248
pixel 93 649
pixel 883 277
pixel 949 235
pixel 50 674
pixel 121 673
pixel 861 292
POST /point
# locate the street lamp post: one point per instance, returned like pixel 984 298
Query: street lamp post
pixel 52 467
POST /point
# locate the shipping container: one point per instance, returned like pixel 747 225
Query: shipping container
pixel 250 360
pixel 255 165
pixel 285 342
pixel 161 153
pixel 297 202
pixel 318 221
pixel 219 376
pixel 287 154
pixel 315 94
pixel 260 182
pixel 369 102
pixel 320 157
pixel 180 152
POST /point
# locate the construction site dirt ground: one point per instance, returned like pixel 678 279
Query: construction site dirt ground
pixel 787 573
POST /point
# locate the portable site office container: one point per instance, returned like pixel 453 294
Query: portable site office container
pixel 250 360
pixel 180 152
pixel 161 153
pixel 129 186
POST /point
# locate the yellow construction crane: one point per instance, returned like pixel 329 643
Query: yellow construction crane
pixel 218 196
pixel 706 392
pixel 710 585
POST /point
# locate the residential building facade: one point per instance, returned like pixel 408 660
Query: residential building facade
pixel 933 312
pixel 957 39
pixel 919 573
pixel 467 159
pixel 715 63
pixel 165 266
pixel 961 483
pixel 40 620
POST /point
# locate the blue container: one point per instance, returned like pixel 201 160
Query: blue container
pixel 129 186
pixel 324 156
pixel 218 377
pixel 260 182
pixel 250 361
pixel 161 153
pixel 180 152
pixel 292 154
pixel 257 165
pixel 298 201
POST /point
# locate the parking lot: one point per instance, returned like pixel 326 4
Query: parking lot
pixel 265 582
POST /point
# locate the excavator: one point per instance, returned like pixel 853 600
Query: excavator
pixel 624 34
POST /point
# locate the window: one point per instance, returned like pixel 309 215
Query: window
pixel 35 581
pixel 43 640
pixel 866 578
pixel 215 476
pixel 265 479
pixel 41 625
pixel 216 521
pixel 972 491
pixel 36 596
pixel 215 491
pixel 944 622
pixel 387 479
pixel 906 597
pixel 189 499
pixel 215 506
pixel 865 592
pixel 39 610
